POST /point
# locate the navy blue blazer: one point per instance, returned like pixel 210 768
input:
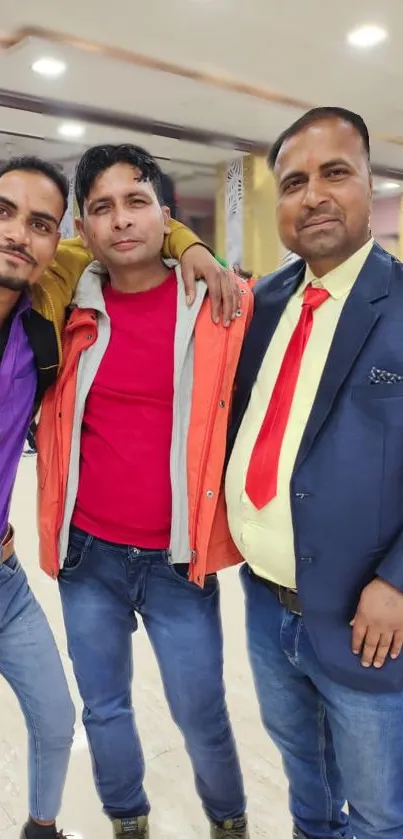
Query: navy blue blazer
pixel 347 485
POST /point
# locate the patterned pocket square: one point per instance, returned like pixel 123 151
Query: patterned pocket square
pixel 384 377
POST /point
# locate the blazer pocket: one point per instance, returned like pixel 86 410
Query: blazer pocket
pixel 370 393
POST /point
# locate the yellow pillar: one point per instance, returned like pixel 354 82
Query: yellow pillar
pixel 261 249
pixel 261 245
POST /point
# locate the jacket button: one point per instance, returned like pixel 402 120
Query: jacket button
pixel 222 403
pixel 210 493
pixel 307 559
pixel 89 337
pixel 238 313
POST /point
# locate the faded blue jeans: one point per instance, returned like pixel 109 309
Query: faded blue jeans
pixel 30 663
pixel 102 587
pixel 337 744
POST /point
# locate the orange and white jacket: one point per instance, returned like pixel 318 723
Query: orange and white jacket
pixel 206 359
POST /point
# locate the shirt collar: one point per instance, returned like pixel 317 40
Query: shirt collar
pixel 340 280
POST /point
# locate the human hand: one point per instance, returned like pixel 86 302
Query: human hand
pixel 378 624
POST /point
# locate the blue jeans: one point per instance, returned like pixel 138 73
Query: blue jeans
pixel 337 744
pixel 102 587
pixel 30 663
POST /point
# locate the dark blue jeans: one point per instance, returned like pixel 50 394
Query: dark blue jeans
pixel 337 744
pixel 102 588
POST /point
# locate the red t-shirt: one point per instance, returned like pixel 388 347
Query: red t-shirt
pixel 124 492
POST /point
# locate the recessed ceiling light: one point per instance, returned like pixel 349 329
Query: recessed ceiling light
pixel 390 185
pixel 50 67
pixel 71 130
pixel 367 36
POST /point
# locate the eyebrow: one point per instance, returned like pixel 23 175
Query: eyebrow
pixel 37 214
pixel 105 198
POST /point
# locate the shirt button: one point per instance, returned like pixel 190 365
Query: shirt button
pixel 210 493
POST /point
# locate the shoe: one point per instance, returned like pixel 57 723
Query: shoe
pixel 231 829
pixel 297 833
pixel 28 452
pixel 58 835
pixel 134 828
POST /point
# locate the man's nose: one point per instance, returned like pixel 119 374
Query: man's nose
pixel 121 220
pixel 18 232
pixel 314 194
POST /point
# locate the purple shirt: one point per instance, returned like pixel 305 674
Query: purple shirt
pixel 18 380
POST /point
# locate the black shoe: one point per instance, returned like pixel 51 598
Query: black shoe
pixel 58 834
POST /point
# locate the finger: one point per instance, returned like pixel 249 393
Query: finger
pixel 228 299
pixel 189 282
pixel 397 645
pixel 370 647
pixel 385 643
pixel 237 305
pixel 359 632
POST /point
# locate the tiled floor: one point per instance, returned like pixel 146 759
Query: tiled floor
pixel 176 809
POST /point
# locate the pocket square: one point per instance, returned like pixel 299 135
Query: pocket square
pixel 377 377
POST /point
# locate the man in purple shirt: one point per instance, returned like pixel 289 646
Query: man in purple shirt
pixel 32 203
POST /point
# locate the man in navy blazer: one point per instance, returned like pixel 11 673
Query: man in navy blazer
pixel 315 489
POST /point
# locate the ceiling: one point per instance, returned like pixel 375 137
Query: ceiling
pixel 226 75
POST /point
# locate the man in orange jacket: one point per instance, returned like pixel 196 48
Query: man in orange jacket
pixel 131 449
pixel 34 293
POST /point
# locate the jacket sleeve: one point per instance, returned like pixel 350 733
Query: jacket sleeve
pixel 178 240
pixel 391 567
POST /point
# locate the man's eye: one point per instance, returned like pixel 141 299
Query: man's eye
pixel 291 186
pixel 337 172
pixel 3 212
pixel 40 227
pixel 102 208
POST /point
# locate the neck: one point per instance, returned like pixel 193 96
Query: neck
pixel 8 300
pixel 324 265
pixel 137 278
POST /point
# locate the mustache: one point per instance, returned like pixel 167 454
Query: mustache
pixel 310 216
pixel 21 250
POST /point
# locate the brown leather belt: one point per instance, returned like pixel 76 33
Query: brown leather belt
pixel 7 545
pixel 286 596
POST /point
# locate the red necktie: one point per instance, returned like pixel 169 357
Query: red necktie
pixel 261 478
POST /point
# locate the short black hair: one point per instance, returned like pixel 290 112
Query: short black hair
pixel 100 158
pixel 317 115
pixel 31 163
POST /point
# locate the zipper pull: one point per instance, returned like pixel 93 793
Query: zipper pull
pixel 193 557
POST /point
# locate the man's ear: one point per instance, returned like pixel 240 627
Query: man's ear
pixel 80 231
pixel 167 218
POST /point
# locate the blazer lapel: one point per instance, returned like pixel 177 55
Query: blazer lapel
pixel 356 323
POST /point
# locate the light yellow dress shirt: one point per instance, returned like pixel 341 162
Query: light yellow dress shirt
pixel 265 537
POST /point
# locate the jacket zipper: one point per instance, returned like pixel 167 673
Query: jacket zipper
pixel 66 372
pixel 206 448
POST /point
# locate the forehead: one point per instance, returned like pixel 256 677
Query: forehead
pixel 318 143
pixel 32 191
pixel 119 179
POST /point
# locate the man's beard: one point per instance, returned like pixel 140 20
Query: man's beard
pixel 13 283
